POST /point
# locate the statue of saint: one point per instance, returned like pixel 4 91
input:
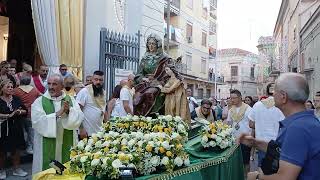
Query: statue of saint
pixel 153 82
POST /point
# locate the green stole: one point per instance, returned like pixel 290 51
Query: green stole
pixel 49 144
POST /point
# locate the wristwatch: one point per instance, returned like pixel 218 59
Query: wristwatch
pixel 258 177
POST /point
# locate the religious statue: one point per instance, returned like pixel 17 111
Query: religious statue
pixel 152 77
pixel 176 103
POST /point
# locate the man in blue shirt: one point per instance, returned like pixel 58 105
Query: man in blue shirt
pixel 299 135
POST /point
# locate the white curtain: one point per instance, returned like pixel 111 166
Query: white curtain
pixel 44 19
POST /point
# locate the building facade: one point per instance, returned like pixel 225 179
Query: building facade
pixel 121 16
pixel 290 35
pixel 240 70
pixel 193 36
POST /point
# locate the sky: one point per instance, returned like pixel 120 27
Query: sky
pixel 242 22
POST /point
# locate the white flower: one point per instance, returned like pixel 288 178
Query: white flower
pixel 98 144
pixel 165 160
pixel 218 139
pixel 204 139
pixel 116 164
pixel 212 144
pixel 131 142
pixel 135 118
pixel 115 142
pixel 88 148
pixel 131 166
pixel 151 143
pixel 106 144
pixel 100 134
pixel 126 135
pixel 95 162
pixel 81 145
pixel 90 141
pixel 83 159
pixel 155 160
pixel 104 160
pixel 177 119
pixel 139 135
pixel 149 118
pixel 166 145
pixel 187 161
pixel 168 117
pixel 124 141
pixel 140 143
pixel 175 135
pixel 181 128
pixel 178 161
pixel 213 136
pixel 147 137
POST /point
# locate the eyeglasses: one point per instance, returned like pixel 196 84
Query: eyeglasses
pixel 207 108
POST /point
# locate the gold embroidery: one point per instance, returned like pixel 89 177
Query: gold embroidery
pixel 100 100
pixel 269 102
pixel 237 117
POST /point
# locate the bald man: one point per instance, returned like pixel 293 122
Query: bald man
pixel 126 97
pixel 298 139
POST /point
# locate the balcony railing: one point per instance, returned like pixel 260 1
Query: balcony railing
pixel 174 7
pixel 173 36
pixel 182 68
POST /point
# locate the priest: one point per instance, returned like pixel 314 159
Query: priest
pixel 55 117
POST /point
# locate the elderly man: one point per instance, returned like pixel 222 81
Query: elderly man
pixel 264 119
pixel 40 80
pixel 298 138
pixel 55 116
pixel 92 100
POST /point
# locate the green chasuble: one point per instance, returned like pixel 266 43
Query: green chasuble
pixel 49 144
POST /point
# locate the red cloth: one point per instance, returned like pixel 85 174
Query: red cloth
pixel 263 97
pixel 27 98
pixel 38 84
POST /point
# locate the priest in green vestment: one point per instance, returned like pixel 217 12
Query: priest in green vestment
pixel 55 117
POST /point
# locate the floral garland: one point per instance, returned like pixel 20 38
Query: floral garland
pixel 146 144
pixel 217 134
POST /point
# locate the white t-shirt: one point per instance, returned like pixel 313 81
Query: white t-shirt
pixel 243 124
pixel 116 109
pixel 93 115
pixel 192 101
pixel 125 95
pixel 266 121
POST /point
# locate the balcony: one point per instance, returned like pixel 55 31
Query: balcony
pixel 182 68
pixel 174 8
pixel 232 79
pixel 173 37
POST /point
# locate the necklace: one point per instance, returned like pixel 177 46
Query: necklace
pixel 8 101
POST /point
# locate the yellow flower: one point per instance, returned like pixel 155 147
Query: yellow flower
pixel 73 153
pixel 96 156
pixel 126 125
pixel 106 149
pixel 212 126
pixel 122 157
pixel 141 124
pixel 95 138
pixel 161 139
pixel 123 148
pixel 162 150
pixel 166 130
pixel 179 146
pixel 149 148
pixel 213 131
pixel 160 128
pixel 169 153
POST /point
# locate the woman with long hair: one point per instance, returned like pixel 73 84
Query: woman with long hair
pixel 11 131
pixel 113 105
pixel 249 100
pixel 309 105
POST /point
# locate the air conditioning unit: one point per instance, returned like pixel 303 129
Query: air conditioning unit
pixel 189 39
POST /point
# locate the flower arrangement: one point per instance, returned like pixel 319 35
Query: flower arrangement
pixel 145 144
pixel 217 134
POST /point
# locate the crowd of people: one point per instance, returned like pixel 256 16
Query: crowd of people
pixel 256 126
pixel 45 115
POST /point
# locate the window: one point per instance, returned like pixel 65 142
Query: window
pixel 190 4
pixel 208 93
pixel 204 12
pixel 204 39
pixel 203 65
pixel 252 71
pixel 213 4
pixel 189 30
pixel 189 61
pixel 200 93
pixel 234 71
pixel 212 27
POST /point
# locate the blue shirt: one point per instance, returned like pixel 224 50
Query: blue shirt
pixel 299 138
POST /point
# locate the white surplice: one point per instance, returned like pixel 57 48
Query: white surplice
pixel 52 127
